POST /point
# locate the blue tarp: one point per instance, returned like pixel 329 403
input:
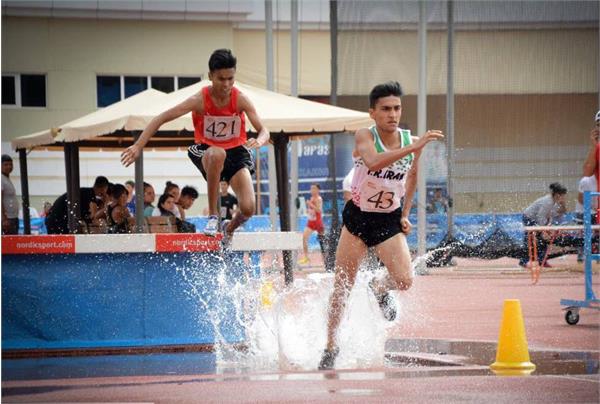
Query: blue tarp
pixel 109 300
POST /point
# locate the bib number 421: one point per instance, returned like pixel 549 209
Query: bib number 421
pixel 222 128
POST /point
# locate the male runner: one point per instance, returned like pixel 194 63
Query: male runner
pixel 314 223
pixel 221 152
pixel 385 161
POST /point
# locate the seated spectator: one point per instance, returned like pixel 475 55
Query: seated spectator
pixel 46 208
pixel 149 196
pixel 117 212
pixel 130 185
pixel 99 206
pixel 57 219
pixel 173 190
pixel 33 213
pixel 186 200
pixel 438 203
pixel 544 211
pixel 166 205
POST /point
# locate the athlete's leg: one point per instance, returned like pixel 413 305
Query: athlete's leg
pixel 395 255
pixel 212 161
pixel 241 183
pixel 321 238
pixel 305 236
pixel 350 251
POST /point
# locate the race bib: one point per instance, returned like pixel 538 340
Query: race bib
pixel 222 128
pixel 376 197
pixel 312 215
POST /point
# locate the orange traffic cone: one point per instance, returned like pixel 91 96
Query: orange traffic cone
pixel 512 355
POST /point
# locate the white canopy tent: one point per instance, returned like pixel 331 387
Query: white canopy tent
pixel 117 126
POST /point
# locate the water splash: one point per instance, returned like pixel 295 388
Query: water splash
pixel 286 331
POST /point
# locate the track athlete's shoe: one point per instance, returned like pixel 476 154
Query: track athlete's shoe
pixel 386 302
pixel 211 226
pixel 227 236
pixel 328 359
pixel 303 261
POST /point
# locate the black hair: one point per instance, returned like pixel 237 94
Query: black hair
pixel 146 185
pixel 384 90
pixel 130 182
pixel 170 186
pixel 163 198
pixel 316 185
pixel 101 181
pixel 118 190
pixel 221 59
pixel 557 188
pixel 109 188
pixel 189 191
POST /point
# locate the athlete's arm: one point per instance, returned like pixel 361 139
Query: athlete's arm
pixel 318 206
pixel 589 166
pixel 410 186
pixel 131 154
pixel 245 105
pixel 365 147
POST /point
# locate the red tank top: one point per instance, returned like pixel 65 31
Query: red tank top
pixel 222 127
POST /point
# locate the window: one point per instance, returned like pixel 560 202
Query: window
pixel 24 90
pixel 108 89
pixel 187 81
pixel 9 94
pixel 135 84
pixel 111 89
pixel 164 84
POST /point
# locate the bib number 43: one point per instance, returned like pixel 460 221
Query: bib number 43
pixel 382 200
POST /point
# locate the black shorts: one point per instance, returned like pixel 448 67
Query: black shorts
pixel 371 227
pixel 236 159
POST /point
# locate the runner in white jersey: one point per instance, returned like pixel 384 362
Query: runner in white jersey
pixel 385 176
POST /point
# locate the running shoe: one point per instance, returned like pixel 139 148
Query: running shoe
pixel 328 359
pixel 303 261
pixel 386 303
pixel 227 236
pixel 211 226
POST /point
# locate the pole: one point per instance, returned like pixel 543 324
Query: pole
pixel 270 86
pixel 24 191
pixel 450 118
pixel 139 188
pixel 422 127
pixel 281 143
pixel 294 92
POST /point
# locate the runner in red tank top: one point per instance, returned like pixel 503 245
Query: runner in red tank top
pixel 221 152
pixel 315 222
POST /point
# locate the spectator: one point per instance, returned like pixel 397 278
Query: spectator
pixel 10 204
pixel 585 184
pixel 130 185
pixel 57 218
pixel 149 196
pixel 173 190
pixel 99 207
pixel 544 211
pixel 166 206
pixel 438 203
pixel 590 164
pixel 33 213
pixel 186 200
pixel 116 212
pixel 229 202
pixel 46 208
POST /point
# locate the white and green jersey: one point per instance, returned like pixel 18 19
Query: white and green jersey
pixel 381 190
